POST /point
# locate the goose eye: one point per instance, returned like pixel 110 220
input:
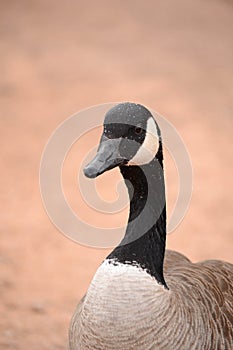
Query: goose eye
pixel 110 135
pixel 138 130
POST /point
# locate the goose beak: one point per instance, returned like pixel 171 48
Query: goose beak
pixel 107 157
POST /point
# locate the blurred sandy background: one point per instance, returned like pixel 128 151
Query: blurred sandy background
pixel 58 57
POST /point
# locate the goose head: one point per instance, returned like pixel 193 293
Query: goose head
pixel 130 137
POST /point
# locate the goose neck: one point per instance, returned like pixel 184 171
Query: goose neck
pixel 145 237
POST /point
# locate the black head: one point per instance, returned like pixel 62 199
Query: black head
pixel 130 137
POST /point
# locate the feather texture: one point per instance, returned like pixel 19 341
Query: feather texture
pixel 125 308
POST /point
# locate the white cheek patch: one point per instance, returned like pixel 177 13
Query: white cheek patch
pixel 149 147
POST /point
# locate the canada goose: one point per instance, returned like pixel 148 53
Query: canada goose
pixel 137 300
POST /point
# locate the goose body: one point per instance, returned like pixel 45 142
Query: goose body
pixel 142 298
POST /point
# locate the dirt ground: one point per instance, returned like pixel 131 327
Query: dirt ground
pixel 59 57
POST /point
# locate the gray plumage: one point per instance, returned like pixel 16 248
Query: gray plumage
pixel 132 314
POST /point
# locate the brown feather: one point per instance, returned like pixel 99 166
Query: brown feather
pixel 196 312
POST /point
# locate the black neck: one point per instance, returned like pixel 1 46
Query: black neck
pixel 145 237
